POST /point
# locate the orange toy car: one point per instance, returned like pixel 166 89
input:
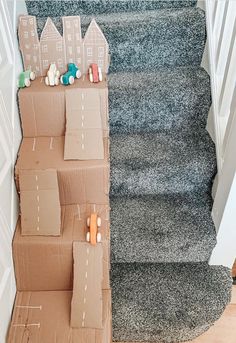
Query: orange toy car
pixel 93 223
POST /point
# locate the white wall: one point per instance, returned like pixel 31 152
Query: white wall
pixel 10 137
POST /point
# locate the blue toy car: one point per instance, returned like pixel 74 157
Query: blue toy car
pixel 69 77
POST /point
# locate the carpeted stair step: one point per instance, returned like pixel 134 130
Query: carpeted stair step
pixel 152 39
pixel 167 302
pixel 163 164
pixel 95 7
pixel 163 100
pixel 162 229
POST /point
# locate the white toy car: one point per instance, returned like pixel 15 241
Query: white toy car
pixel 53 76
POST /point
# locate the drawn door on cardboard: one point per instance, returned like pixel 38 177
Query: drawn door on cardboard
pixel 10 136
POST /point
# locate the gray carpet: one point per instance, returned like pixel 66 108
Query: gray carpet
pixel 164 100
pixel 162 166
pixel 166 302
pixel 171 228
pixel 161 163
pixel 136 46
pixel 95 7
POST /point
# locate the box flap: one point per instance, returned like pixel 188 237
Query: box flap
pixel 39 202
pixel 84 135
pixel 86 306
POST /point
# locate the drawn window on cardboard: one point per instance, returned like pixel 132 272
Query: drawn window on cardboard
pixel 89 52
pixel 84 135
pixel 45 63
pixel 59 46
pixel 100 63
pixel 39 202
pixel 100 51
pixel 44 48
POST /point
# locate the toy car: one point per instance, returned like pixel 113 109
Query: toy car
pixel 93 223
pixel 53 75
pixel 95 73
pixel 69 77
pixel 25 77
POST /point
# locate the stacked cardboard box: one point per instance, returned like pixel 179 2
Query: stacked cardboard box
pixel 50 233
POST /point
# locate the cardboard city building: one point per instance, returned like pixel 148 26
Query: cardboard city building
pixel 38 53
pixel 62 176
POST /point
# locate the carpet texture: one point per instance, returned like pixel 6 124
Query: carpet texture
pixel 94 7
pixel 162 166
pixel 163 100
pixel 166 302
pixel 136 46
pixel 170 228
pixel 160 163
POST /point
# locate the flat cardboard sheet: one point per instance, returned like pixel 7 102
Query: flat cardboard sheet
pixel 86 305
pixel 79 181
pixel 39 203
pixel 43 108
pixel 44 317
pixel 46 263
pixel 84 136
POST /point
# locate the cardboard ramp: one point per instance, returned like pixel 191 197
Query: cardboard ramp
pixel 44 317
pixel 86 305
pixel 79 181
pixel 84 136
pixel 46 263
pixel 39 203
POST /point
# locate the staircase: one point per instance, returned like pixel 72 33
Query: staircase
pixel 162 166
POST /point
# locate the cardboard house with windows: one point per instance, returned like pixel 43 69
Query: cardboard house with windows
pixel 51 47
pixel 95 48
pixel 73 42
pixel 62 49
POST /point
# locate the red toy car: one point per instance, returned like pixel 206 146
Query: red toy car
pixel 95 73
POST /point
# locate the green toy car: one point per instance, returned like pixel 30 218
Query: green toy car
pixel 25 78
pixel 69 77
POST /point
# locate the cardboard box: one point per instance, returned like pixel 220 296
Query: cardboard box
pixel 46 263
pixel 79 181
pixel 86 305
pixel 43 108
pixel 44 317
pixel 39 203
